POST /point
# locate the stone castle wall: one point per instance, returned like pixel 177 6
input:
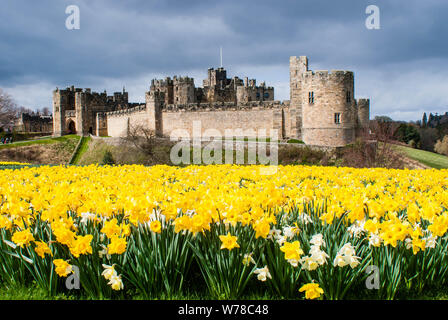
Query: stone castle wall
pixel 251 120
pixel 322 109
pixel 117 123
pixel 34 123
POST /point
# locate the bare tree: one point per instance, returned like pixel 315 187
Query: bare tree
pixel 8 110
pixel 24 110
pixel 142 138
pixel 441 146
pixel 46 111
pixel 373 148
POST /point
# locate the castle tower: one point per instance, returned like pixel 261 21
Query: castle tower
pixel 328 108
pixel 63 101
pixel 363 112
pixel 165 86
pixel 297 67
pixel 80 108
pixel 59 106
pixel 184 90
pixel 154 104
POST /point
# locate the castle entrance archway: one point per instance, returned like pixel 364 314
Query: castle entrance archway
pixel 71 127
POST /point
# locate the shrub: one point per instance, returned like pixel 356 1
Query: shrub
pixel 107 158
pixel 442 146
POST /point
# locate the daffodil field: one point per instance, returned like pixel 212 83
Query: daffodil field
pixel 300 232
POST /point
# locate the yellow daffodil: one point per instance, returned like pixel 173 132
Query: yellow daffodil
pixel 229 242
pixel 312 290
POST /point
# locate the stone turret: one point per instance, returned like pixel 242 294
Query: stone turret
pixel 328 108
pixel 154 104
pixel 297 67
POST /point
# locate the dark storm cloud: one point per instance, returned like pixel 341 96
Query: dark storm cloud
pixel 134 39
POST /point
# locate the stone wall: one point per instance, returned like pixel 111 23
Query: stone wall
pixel 119 122
pixel 250 123
pixel 34 123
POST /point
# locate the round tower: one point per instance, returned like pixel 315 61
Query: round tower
pixel 328 108
pixel 363 113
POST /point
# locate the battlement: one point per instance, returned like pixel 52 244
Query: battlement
pixel 116 97
pixel 225 106
pixel 161 82
pixel 328 75
pixel 155 95
pixel 35 117
pixel 123 112
pixel 183 80
pixel 363 102
pixel 71 89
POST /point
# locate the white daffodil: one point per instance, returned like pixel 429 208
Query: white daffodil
pixel 263 273
pixel 281 240
pixel 353 261
pixel 339 261
pixel 304 218
pixel 86 216
pixel 318 240
pixel 347 250
pixel 375 240
pixel 319 256
pixel 109 271
pixel 431 242
pixel 289 232
pixel 408 243
pixel 247 259
pixel 308 263
pixel 116 283
pixel 104 252
pixel 294 262
pixel 356 229
pixel 274 234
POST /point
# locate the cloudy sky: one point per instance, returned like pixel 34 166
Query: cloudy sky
pixel 402 67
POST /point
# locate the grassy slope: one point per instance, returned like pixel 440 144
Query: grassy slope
pixel 82 149
pixel 40 151
pixel 430 159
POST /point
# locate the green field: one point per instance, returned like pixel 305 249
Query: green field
pixel 430 159
pixel 39 141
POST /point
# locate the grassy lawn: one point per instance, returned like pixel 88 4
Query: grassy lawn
pixel 430 159
pixel 39 141
pixel 32 292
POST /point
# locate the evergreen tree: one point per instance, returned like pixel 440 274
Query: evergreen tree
pixel 107 158
pixel 424 120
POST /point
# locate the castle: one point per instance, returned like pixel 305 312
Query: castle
pixel 34 122
pixel 322 109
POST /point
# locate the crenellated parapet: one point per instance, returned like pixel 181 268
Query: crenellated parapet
pixel 225 106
